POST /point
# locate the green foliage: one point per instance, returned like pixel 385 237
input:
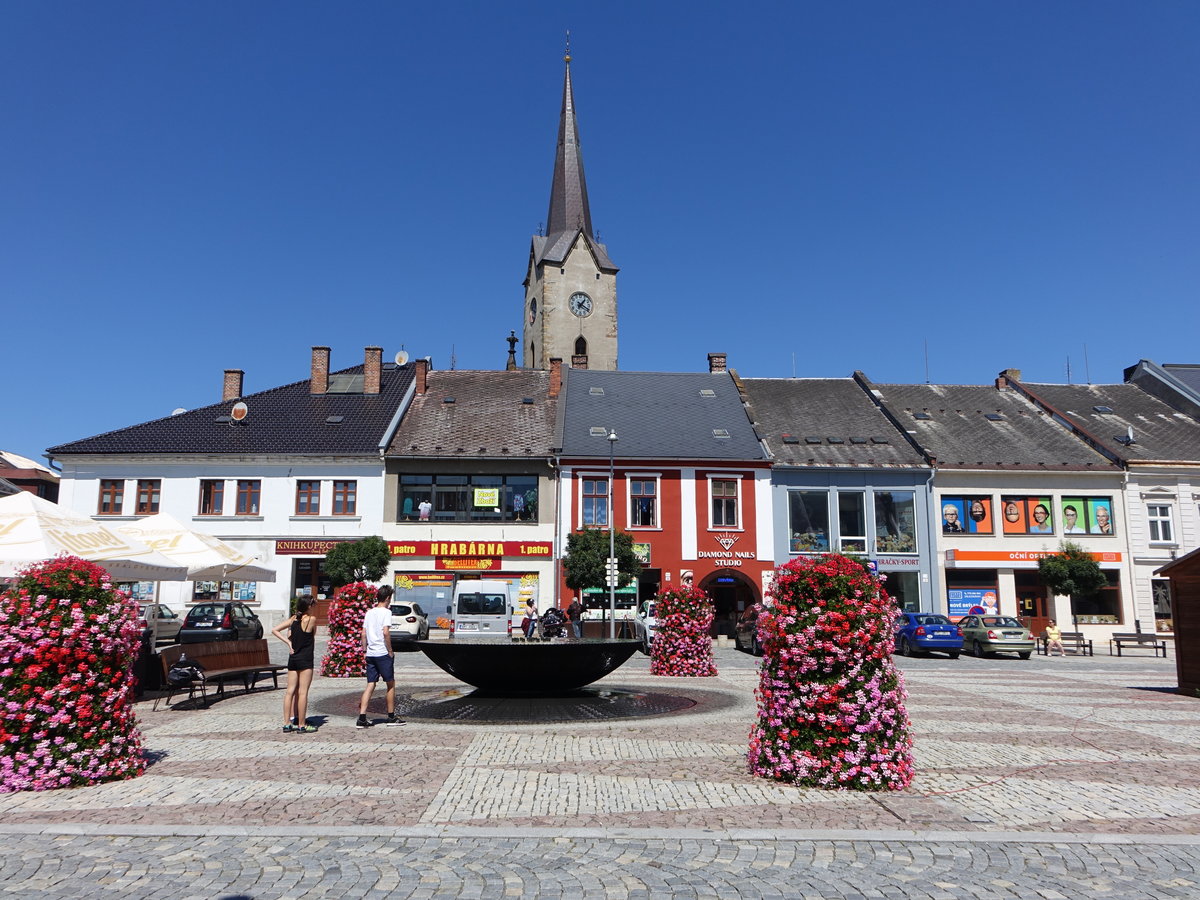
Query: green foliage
pixel 1071 572
pixel 365 560
pixel 587 553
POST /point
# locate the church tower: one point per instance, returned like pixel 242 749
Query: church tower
pixel 571 284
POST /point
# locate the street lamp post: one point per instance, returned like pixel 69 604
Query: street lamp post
pixel 612 547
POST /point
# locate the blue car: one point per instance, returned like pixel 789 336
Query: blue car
pixel 924 632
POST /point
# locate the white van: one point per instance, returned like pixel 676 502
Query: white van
pixel 482 608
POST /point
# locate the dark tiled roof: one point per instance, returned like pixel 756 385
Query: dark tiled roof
pixel 286 420
pixel 488 418
pixel 657 415
pixel 1159 432
pixel 980 427
pixel 1188 374
pixel 825 422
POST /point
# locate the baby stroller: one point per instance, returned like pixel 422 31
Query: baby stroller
pixel 554 622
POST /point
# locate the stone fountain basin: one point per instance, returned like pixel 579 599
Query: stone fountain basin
pixel 544 667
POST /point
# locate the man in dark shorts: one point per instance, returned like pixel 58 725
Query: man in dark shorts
pixel 377 645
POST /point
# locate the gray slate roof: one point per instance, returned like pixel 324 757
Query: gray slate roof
pixel 959 434
pixel 1188 374
pixel 657 415
pixel 488 418
pixel 286 420
pixel 825 422
pixel 1159 432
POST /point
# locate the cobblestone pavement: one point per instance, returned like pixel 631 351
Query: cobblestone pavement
pixel 1062 777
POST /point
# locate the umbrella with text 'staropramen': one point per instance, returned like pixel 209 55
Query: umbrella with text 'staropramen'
pixel 33 529
pixel 207 558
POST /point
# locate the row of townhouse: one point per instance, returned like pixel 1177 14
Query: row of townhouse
pixel 954 492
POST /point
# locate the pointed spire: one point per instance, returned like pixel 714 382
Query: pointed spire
pixel 568 193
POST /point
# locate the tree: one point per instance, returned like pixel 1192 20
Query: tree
pixel 587 553
pixel 365 560
pixel 1071 572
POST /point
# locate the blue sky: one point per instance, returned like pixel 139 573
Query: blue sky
pixel 812 188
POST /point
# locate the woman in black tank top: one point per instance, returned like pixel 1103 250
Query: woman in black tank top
pixel 299 633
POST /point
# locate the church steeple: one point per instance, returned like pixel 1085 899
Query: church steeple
pixel 569 209
pixel 571 284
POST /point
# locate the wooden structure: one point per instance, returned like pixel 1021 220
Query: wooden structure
pixel 1185 601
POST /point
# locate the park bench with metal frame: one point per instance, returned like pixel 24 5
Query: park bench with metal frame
pixel 1138 641
pixel 221 661
pixel 1072 641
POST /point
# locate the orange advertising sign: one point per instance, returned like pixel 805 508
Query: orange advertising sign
pixel 459 564
pixel 1018 556
pixel 476 549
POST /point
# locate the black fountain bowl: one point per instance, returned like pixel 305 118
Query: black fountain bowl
pixel 550 667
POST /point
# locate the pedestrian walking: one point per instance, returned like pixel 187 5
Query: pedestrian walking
pixel 529 623
pixel 377 647
pixel 299 633
pixel 575 615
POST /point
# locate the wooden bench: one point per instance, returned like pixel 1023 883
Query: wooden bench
pixel 1073 642
pixel 1138 641
pixel 222 661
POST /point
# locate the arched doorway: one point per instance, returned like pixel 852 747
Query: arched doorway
pixel 731 593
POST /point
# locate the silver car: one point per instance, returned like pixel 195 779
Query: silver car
pixel 984 635
pixel 161 621
pixel 645 624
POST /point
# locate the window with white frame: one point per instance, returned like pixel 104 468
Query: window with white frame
pixel 724 494
pixel 643 502
pixel 1158 516
pixel 594 501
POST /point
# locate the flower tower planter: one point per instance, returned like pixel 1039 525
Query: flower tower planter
pixel 682 645
pixel 830 700
pixel 344 656
pixel 68 641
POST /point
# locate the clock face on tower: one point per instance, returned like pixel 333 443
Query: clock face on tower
pixel 581 304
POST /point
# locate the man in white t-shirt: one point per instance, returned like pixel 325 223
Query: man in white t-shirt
pixel 377 645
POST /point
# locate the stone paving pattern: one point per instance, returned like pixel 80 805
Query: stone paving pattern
pixel 1062 777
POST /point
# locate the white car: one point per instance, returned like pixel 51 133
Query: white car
pixel 409 624
pixel 161 621
pixel 645 624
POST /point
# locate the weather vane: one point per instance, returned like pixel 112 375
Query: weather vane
pixel 567 58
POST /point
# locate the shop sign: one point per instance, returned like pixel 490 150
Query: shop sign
pixel 1019 558
pixel 487 497
pixel 526 549
pixel 899 562
pixel 304 546
pixel 726 556
pixel 460 564
pixel 642 552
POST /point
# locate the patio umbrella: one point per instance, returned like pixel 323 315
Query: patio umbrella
pixel 33 529
pixel 207 558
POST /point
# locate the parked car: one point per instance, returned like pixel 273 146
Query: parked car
pixel 162 622
pixel 922 632
pixel 409 624
pixel 220 622
pixel 996 634
pixel 745 631
pixel 645 624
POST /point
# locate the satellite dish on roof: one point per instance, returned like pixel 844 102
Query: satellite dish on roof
pixel 401 357
pixel 178 411
pixel 240 411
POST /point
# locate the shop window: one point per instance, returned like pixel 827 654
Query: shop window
pixel 308 498
pixel 227 591
pixel 1102 607
pixel 808 521
pixel 345 498
pixel 1160 593
pixel 149 492
pixel 212 497
pixel 852 522
pixel 467 498
pixel 248 496
pixel 112 497
pixel 724 493
pixel 905 589
pixel 895 522
pixel 1158 516
pixel 594 501
pixel 1026 515
pixel 643 502
pixel 964 514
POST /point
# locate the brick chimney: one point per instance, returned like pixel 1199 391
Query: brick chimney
pixel 555 376
pixel 319 381
pixel 421 368
pixel 716 362
pixel 232 389
pixel 1006 376
pixel 372 369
